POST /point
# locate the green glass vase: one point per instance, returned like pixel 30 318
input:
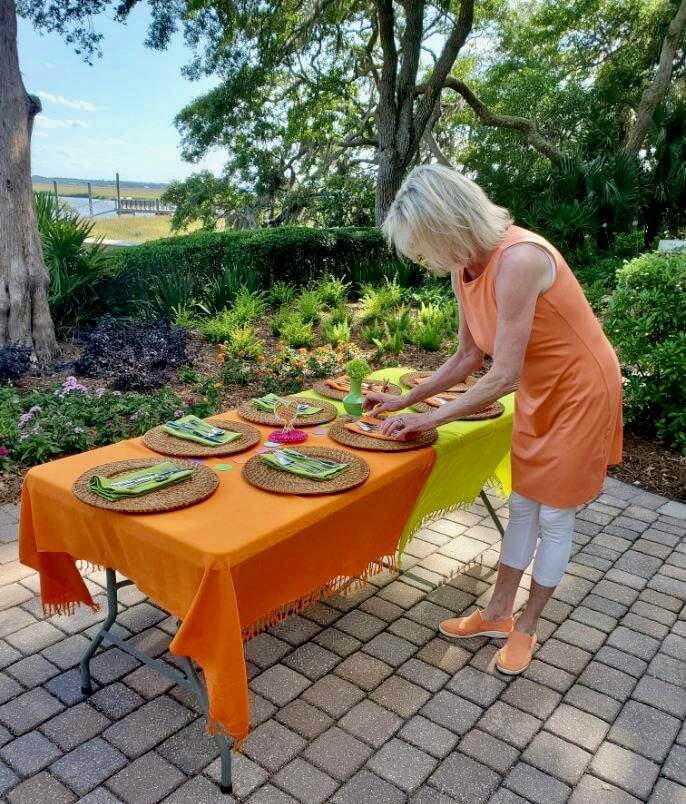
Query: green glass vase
pixel 353 400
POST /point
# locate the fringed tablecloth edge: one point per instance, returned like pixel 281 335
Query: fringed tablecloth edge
pixel 493 482
pixel 341 584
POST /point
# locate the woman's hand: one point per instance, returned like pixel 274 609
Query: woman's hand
pixel 408 426
pixel 376 402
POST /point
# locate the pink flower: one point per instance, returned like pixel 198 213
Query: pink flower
pixel 3 452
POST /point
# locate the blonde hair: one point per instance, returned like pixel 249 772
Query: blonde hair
pixel 443 219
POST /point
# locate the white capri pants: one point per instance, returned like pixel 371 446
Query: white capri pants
pixel 529 521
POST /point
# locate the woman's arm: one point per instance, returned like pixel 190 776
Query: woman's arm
pixel 523 273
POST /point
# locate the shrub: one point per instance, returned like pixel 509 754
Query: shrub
pixel 428 336
pixel 647 324
pixel 297 333
pixel 258 258
pixel 132 355
pixel 332 291
pixel 372 333
pixel 166 294
pixel 68 418
pixel 248 305
pixel 218 328
pixel 236 371
pixel 15 361
pixel 309 306
pixel 337 333
pixel 433 290
pixel 281 294
pixel 243 342
pixel 221 291
pixel 340 315
pixel 377 302
pixel 78 270
pixel 391 341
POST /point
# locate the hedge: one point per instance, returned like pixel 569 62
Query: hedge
pixel 258 257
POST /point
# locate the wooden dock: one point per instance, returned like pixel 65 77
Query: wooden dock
pixel 148 206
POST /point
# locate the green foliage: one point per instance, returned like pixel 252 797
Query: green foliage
pixel 647 324
pixel 358 369
pixel 219 328
pixel 188 374
pixel 236 371
pixel 221 291
pixel 371 333
pixel 394 332
pixel 377 302
pixel 217 264
pixel 168 293
pixel 332 291
pixel 297 333
pixel 428 336
pixel 337 332
pixel 68 418
pixel 340 315
pixel 249 305
pixel 308 306
pixel 281 294
pixel 78 270
pixel 242 341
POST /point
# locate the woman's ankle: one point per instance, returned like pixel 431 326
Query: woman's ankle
pixel 496 612
pixel 525 625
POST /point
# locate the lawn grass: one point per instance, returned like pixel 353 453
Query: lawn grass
pixel 135 227
pixel 109 192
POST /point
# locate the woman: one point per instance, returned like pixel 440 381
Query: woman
pixel 519 303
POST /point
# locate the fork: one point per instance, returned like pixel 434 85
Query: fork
pixel 136 481
pixel 299 455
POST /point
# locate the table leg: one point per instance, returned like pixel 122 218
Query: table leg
pixel 491 511
pixel 112 606
pixel 190 679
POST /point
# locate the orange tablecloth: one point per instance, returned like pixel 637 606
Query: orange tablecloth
pixel 226 567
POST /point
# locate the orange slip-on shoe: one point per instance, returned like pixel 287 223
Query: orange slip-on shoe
pixel 515 655
pixel 474 625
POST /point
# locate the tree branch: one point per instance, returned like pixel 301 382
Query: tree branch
pixel 522 125
pixel 458 36
pixel 655 91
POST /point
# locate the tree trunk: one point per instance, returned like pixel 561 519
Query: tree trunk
pixel 24 311
pixel 389 177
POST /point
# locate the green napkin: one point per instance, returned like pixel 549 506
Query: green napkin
pixel 122 486
pixel 266 403
pixel 194 429
pixel 298 464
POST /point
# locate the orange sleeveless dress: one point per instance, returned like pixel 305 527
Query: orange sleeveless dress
pixel 568 406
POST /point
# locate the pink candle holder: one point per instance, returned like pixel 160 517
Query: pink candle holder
pixel 288 436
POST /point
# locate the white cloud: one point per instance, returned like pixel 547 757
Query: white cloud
pixel 60 100
pixel 44 122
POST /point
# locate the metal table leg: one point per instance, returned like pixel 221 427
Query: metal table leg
pixel 491 511
pixel 190 680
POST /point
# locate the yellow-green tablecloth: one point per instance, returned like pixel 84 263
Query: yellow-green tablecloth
pixel 469 456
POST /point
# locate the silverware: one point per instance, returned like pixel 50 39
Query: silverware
pixel 200 433
pixel 137 481
pixel 324 461
pixel 368 428
pixel 284 460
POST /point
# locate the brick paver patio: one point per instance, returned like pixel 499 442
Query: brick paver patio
pixel 359 701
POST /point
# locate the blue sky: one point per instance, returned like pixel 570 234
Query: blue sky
pixel 114 116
